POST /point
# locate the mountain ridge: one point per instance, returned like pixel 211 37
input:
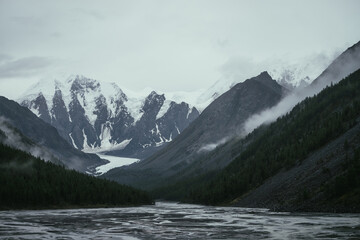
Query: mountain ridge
pixel 97 116
pixel 215 123
pixel 310 171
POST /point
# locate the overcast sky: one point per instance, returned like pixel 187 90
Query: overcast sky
pixel 167 45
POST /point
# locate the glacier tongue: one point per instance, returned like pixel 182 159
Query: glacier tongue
pixel 113 163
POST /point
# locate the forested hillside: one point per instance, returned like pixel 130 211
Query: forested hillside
pixel 285 144
pixel 28 182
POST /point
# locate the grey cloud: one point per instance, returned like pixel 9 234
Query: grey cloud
pixel 28 20
pixel 89 12
pixel 22 67
pixel 4 57
pixel 169 44
pixel 222 42
pixel 211 146
pixel 239 68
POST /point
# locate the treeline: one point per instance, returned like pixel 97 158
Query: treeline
pixel 310 125
pixel 28 182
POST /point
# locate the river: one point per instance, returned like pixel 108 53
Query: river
pixel 176 221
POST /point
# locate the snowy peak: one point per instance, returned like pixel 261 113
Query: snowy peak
pixel 153 103
pixel 83 85
pixel 98 116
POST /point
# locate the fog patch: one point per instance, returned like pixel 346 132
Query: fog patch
pixel 211 146
pixel 345 64
pixel 24 167
pixel 15 140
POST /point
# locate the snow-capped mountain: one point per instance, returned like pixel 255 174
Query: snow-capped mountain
pixel 97 116
pixel 218 123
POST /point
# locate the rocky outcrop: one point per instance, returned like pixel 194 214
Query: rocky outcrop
pixel 94 116
pixel 219 122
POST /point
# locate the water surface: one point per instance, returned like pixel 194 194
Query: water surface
pixel 176 221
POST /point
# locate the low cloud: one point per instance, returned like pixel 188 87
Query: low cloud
pixel 24 167
pixel 239 68
pixel 211 146
pixel 4 58
pixel 23 67
pixel 342 67
pixel 271 114
pixel 13 139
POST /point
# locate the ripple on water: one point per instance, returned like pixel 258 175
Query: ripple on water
pixel 175 221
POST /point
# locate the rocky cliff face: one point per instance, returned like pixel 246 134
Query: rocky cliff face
pixel 220 121
pixel 94 116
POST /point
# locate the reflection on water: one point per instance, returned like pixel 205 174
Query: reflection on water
pixel 175 221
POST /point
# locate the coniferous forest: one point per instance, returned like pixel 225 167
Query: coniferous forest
pixel 284 144
pixel 30 183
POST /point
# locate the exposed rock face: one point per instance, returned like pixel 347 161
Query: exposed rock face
pixel 220 121
pixel 94 116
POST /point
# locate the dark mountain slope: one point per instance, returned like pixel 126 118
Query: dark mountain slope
pixel 28 182
pixel 306 160
pixel 11 137
pixel 45 135
pixel 346 63
pixel 218 122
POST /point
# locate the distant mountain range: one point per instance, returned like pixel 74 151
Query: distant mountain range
pixel 218 123
pixel 211 142
pixel 307 160
pixel 94 116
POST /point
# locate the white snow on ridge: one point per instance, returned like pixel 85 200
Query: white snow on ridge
pixel 85 145
pixel 199 99
pixel 164 108
pixel 134 106
pixel 44 86
pixel 72 140
pixel 108 146
pixel 133 100
pixel 105 135
pixel 191 98
pixel 112 94
pixel 189 112
pixel 35 111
